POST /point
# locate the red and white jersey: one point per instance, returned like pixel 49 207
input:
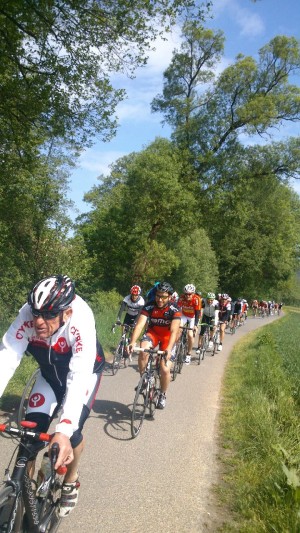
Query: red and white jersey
pixel 67 359
pixel 189 306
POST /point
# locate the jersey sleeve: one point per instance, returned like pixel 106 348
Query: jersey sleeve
pixel 82 332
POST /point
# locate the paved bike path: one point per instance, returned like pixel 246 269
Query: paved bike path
pixel 161 481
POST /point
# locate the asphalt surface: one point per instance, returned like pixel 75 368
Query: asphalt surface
pixel 161 481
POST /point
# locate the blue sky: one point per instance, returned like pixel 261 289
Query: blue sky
pixel 247 27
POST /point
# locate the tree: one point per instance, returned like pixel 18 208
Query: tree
pixel 197 262
pixel 138 215
pixel 248 97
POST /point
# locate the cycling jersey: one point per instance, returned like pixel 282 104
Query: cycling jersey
pixel 160 318
pixel 67 359
pixel 132 308
pixel 159 323
pixel 210 310
pixel 190 307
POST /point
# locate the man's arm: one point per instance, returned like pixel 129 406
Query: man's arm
pixel 140 325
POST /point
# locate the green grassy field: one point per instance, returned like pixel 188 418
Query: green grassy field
pixel 260 444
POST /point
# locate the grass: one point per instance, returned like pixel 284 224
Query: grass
pixel 260 431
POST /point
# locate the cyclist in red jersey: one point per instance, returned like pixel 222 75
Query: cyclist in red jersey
pixel 163 320
pixel 190 305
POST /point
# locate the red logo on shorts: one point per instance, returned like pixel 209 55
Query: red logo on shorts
pixel 36 400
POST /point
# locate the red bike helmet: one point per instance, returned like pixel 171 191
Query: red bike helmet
pixel 135 289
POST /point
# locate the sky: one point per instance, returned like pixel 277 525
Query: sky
pixel 247 26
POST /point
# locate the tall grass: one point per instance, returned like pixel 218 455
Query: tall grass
pixel 260 431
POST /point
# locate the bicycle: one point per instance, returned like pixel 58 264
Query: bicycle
pixel 26 507
pixel 216 339
pixel 181 352
pixel 121 350
pixel 201 350
pixel 147 390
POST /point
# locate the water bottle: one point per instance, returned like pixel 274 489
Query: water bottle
pixel 43 476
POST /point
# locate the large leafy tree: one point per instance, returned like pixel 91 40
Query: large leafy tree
pixel 138 216
pixel 56 93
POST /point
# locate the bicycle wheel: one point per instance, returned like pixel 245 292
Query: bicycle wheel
pixel 117 359
pixel 153 396
pixel 216 341
pixel 140 404
pixel 26 395
pixel 9 507
pixel 180 357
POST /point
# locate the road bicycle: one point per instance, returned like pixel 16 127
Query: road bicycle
pixel 181 352
pixel 201 350
pixel 121 350
pixel 216 338
pixel 147 390
pixel 25 506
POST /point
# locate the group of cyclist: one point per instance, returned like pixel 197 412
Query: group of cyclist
pixel 57 327
pixel 265 307
pixel 160 320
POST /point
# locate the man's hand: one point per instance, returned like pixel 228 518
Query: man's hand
pixel 66 454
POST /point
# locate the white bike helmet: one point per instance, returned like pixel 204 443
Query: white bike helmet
pixel 189 288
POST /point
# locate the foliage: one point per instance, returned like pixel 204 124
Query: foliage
pixel 138 215
pixel 197 262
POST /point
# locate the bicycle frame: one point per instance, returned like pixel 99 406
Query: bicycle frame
pixel 19 485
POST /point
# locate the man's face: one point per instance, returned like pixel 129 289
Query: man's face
pixel 188 295
pixel 134 297
pixel 45 327
pixel 161 298
pixel 209 301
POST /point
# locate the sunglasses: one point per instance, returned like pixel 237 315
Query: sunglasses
pixel 161 296
pixel 188 293
pixel 46 315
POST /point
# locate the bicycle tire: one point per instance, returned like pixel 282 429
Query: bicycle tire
pixel 117 359
pixel 180 356
pixel 139 407
pixel 7 502
pixel 26 395
pixel 153 396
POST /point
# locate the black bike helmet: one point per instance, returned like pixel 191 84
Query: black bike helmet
pixel 164 286
pixel 53 294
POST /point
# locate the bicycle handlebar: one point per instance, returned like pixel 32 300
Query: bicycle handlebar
pixel 150 350
pixel 27 432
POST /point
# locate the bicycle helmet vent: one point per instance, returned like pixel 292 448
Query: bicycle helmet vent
pixel 54 294
pixel 189 288
pixel 164 286
pixel 135 289
pixel 210 296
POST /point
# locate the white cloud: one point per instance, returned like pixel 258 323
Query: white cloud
pixel 98 162
pixel 250 23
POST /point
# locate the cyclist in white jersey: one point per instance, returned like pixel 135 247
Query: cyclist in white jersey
pixel 209 315
pixel 57 328
pixel 132 304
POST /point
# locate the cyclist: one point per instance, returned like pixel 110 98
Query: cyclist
pixel 224 316
pixel 133 304
pixel 190 304
pixel 163 320
pixel 210 312
pixel 57 327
